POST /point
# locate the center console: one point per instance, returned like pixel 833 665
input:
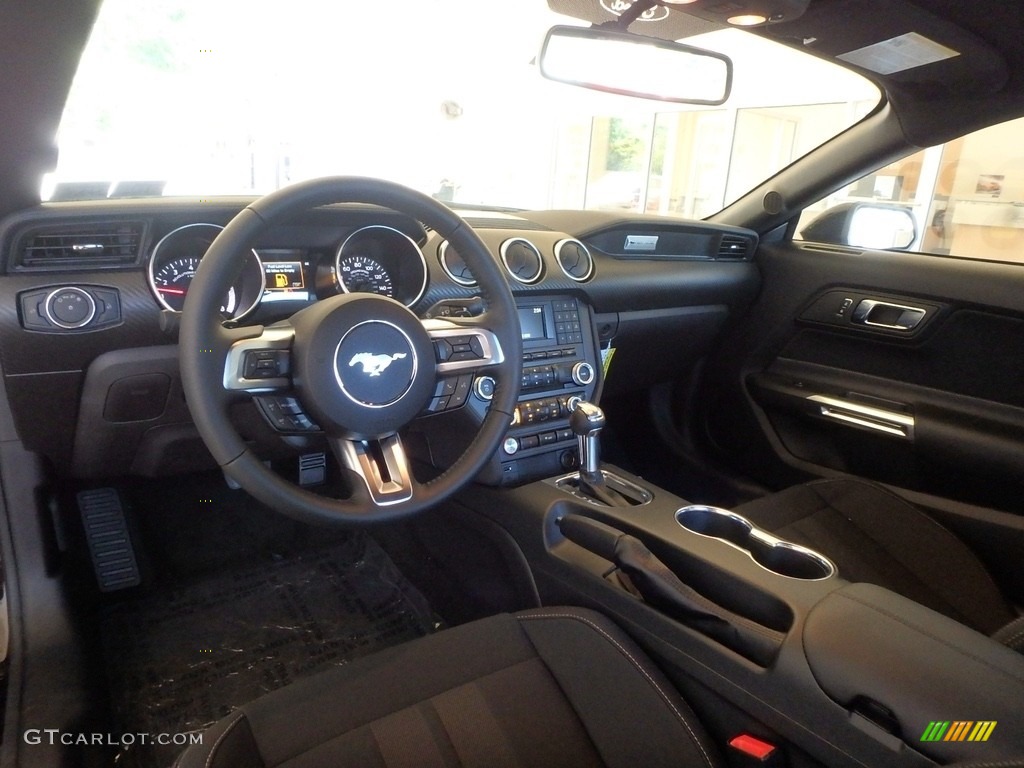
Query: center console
pixel 560 368
pixel 852 674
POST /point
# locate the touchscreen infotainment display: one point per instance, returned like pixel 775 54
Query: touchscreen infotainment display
pixel 531 320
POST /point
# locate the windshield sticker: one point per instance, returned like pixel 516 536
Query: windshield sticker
pixel 619 7
pixel 899 54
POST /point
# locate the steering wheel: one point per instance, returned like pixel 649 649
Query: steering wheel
pixel 360 366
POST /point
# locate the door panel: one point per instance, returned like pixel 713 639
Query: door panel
pixel 804 387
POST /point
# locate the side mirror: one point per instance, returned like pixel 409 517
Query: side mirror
pixel 864 225
pixel 632 65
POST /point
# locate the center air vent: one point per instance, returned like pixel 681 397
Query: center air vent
pixel 78 246
pixel 733 247
pixel 522 260
pixel 574 259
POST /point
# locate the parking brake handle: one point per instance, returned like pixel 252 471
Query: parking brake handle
pixel 650 579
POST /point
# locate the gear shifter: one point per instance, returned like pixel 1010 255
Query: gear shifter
pixel 586 421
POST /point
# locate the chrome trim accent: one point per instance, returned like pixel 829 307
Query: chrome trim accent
pixel 504 260
pixel 441 251
pixel 558 259
pixel 437 328
pixel 478 385
pixel 863 310
pixel 60 323
pixel 423 260
pixel 279 337
pixel 763 537
pixel 583 373
pixel 356 456
pixel 889 422
pixel 165 305
pixel 412 377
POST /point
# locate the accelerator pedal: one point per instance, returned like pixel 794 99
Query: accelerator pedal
pixel 110 545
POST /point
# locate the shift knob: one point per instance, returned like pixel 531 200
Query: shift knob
pixel 586 422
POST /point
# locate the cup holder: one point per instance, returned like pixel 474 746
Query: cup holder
pixel 772 554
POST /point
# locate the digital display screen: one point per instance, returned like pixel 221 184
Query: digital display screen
pixel 284 275
pixel 531 321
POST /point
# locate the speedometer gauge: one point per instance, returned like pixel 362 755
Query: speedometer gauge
pixel 176 258
pixel 361 274
pixel 382 260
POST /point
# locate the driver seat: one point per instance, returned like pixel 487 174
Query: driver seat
pixel 550 687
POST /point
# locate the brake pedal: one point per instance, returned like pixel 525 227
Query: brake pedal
pixel 110 544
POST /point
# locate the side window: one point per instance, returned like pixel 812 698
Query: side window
pixel 964 198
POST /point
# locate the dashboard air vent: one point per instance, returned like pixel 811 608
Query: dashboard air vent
pixel 78 246
pixel 454 266
pixel 574 259
pixel 522 260
pixel 733 247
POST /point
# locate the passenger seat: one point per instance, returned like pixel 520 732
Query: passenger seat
pixel 875 536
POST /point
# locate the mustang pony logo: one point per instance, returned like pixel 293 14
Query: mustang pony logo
pixel 374 364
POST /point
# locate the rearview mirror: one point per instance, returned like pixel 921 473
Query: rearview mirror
pixel 631 65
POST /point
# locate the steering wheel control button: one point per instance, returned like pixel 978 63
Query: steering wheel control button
pixel 266 364
pixel 483 388
pixel 285 414
pixel 70 308
pixel 375 364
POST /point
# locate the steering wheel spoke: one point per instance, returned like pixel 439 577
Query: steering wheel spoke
pixel 260 364
pixel 381 466
pixel 463 348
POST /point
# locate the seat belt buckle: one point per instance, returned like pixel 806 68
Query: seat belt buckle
pixel 746 751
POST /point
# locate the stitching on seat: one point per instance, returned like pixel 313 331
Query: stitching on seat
pixel 639 667
pixel 1014 640
pixel 217 743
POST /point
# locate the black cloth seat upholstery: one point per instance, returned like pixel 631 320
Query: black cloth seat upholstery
pixel 875 536
pixel 554 687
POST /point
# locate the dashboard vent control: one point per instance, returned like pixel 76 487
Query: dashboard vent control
pixel 733 247
pixel 89 246
pixel 522 260
pixel 574 260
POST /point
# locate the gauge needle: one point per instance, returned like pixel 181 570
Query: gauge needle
pixel 175 291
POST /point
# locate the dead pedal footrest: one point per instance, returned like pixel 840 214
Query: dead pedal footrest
pixel 110 545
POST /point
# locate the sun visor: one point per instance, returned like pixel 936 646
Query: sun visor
pixel 914 53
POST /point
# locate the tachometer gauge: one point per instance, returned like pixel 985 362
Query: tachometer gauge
pixel 361 274
pixel 174 263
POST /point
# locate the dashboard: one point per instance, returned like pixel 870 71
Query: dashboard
pixel 91 293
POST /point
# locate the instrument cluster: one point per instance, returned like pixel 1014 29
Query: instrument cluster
pixel 372 259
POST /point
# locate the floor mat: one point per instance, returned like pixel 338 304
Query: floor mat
pixel 183 658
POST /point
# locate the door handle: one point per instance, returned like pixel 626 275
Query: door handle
pixel 887 315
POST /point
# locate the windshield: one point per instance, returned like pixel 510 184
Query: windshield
pixel 208 97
